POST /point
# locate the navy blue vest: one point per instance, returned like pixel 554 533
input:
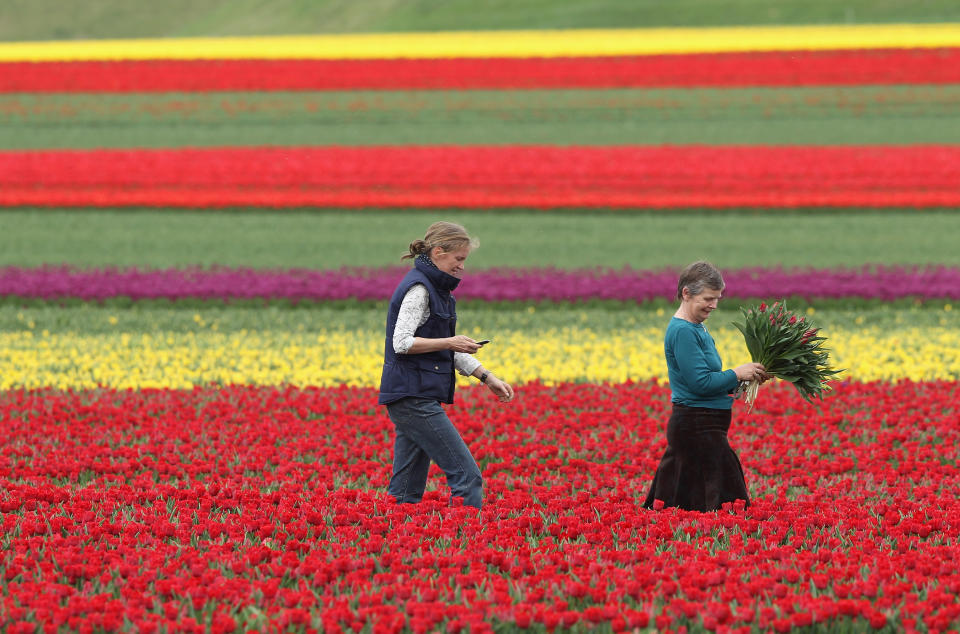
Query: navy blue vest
pixel 427 375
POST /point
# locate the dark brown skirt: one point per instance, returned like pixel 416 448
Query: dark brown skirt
pixel 699 471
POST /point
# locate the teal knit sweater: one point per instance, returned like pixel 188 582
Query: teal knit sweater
pixel 695 368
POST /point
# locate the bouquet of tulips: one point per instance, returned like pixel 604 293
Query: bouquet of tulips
pixel 789 347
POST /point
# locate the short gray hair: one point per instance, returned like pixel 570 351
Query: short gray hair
pixel 699 276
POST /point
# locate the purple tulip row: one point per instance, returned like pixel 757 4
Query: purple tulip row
pixel 874 282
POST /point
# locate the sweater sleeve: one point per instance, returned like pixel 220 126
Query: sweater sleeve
pixel 697 376
pixel 414 312
pixel 465 363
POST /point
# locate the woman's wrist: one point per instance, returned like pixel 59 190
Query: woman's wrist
pixel 482 374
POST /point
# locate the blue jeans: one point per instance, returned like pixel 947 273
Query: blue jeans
pixel 425 433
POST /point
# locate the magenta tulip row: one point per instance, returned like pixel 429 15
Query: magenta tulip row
pixel 876 282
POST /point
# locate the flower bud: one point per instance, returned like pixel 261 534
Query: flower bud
pixel 808 335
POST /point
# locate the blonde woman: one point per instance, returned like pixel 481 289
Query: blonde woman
pixel 421 352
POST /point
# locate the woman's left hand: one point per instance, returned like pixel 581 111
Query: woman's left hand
pixel 501 388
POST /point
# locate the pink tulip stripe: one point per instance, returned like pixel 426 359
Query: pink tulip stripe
pixel 869 282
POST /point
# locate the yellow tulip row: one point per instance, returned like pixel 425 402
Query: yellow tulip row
pixel 186 359
pixel 478 44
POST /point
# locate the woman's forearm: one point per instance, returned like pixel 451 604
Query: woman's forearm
pixel 422 345
pixel 703 381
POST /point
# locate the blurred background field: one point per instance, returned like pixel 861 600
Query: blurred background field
pixel 879 108
pixel 834 115
pixel 566 239
pixel 52 20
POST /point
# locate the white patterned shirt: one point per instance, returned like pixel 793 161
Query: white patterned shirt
pixel 414 312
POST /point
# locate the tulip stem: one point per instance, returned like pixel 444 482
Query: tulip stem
pixel 751 394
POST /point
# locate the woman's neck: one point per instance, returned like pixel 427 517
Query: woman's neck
pixel 682 314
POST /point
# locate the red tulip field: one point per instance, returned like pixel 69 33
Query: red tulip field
pixel 203 501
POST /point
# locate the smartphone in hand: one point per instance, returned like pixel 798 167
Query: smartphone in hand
pixel 483 343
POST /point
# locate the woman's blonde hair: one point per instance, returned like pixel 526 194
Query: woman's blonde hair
pixel 448 236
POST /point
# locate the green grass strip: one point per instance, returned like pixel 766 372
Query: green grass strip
pixel 477 317
pixel 158 238
pixel 52 19
pixel 834 115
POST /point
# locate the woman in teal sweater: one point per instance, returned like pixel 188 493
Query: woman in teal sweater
pixel 699 471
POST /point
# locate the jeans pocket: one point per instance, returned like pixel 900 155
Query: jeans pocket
pixel 423 408
pixel 411 410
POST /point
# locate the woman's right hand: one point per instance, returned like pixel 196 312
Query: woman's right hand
pixel 751 372
pixel 462 343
